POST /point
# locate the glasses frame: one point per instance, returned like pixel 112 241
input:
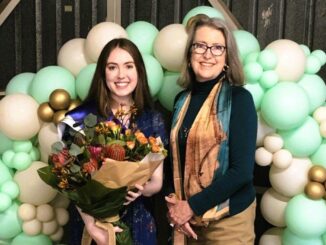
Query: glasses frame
pixel 206 47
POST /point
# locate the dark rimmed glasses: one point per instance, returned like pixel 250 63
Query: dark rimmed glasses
pixel 201 48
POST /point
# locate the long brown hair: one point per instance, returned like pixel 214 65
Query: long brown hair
pixel 100 93
pixel 235 70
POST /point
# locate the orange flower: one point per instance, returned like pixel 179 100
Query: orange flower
pixel 152 140
pixel 130 144
pixel 156 148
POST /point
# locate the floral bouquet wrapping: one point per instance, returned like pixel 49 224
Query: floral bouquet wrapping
pixel 96 167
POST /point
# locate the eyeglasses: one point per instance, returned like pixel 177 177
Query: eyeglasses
pixel 201 48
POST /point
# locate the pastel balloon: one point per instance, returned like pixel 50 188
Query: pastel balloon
pixel 27 212
pixel 47 136
pixel 289 238
pixel 273 142
pixel 320 114
pixel 253 71
pixel 25 239
pixel 21 160
pixel 56 237
pixel 285 106
pixel 292 180
pixel 267 59
pixel 5 202
pixel 304 140
pixel 72 55
pixel 170 88
pixel 99 36
pixel 268 79
pixel 10 188
pixel 45 213
pixel 20 83
pixel 154 73
pixel 305 49
pixel 19 120
pixel 251 57
pixel 257 93
pixel 35 154
pixel 84 80
pixel 263 157
pixel 142 34
pixel 32 227
pixel 207 10
pixel 313 64
pixel 306 217
pixel 6 143
pixel 315 88
pixel 170 54
pixel 263 130
pixel 319 156
pixel 291 59
pixel 60 201
pixel 321 55
pixel 10 224
pixel 22 146
pixel 247 43
pixel 272 236
pixel 62 216
pixel 4 173
pixel 273 206
pixel 45 193
pixel 49 79
pixel 282 158
pixel 50 227
pixel 7 158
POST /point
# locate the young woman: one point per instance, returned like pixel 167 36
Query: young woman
pixel 213 141
pixel 120 82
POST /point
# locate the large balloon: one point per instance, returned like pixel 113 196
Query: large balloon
pixel 319 156
pixel 209 11
pixel 19 119
pixel 84 80
pixel 246 42
pixel 154 73
pixel 20 83
pixel 263 130
pixel 272 236
pixel 291 59
pixel 49 79
pixel 10 224
pixel 47 136
pixel 169 90
pixel 285 106
pixel 22 238
pixel 170 53
pixel 72 55
pixel 99 36
pixel 143 34
pixel 6 143
pixel 289 238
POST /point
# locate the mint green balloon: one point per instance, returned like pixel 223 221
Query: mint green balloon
pixel 35 154
pixel 6 143
pixel 252 57
pixel 49 79
pixel 169 90
pixel 22 146
pixel 268 79
pixel 20 83
pixel 304 140
pixel 247 43
pixel 23 239
pixel 84 80
pixel 252 71
pixel 142 34
pixel 285 106
pixel 257 93
pixel 321 55
pixel 306 217
pixel 289 238
pixel 319 156
pixel 313 64
pixel 10 224
pixel 154 73
pixel 209 11
pixel 5 174
pixel 315 89
pixel 5 202
pixel 7 157
pixel 305 49
pixel 21 160
pixel 267 59
pixel 10 188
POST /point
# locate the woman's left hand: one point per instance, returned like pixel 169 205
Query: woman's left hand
pixel 132 196
pixel 179 211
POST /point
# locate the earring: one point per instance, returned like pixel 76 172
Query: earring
pixel 226 67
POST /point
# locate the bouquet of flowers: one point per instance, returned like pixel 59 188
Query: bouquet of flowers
pixel 96 167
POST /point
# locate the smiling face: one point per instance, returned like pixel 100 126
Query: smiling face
pixel 121 75
pixel 207 66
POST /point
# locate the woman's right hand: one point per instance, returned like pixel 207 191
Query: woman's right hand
pixel 99 235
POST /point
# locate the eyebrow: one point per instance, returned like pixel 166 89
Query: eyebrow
pixel 126 63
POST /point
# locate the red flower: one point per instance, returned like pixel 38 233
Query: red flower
pixel 62 158
pixel 91 166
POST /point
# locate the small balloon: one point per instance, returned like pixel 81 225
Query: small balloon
pixel 317 173
pixel 58 116
pixel 314 190
pixel 45 112
pixel 59 99
pixel 73 104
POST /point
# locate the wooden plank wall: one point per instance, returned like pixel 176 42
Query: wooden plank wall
pixel 32 35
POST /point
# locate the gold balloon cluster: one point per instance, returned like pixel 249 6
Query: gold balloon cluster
pixel 316 186
pixel 59 103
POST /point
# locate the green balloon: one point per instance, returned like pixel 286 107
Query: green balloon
pixel 253 71
pixel 21 160
pixel 20 83
pixel 304 140
pixel 285 106
pixel 321 55
pixel 268 79
pixel 306 217
pixel 6 143
pixel 22 238
pixel 169 90
pixel 313 64
pixel 257 93
pixel 247 43
pixel 289 238
pixel 305 49
pixel 5 174
pixel 7 157
pixel 22 146
pixel 319 156
pixel 154 73
pixel 49 79
pixel 143 34
pixel 10 224
pixel 209 11
pixel 10 188
pixel 267 59
pixel 252 57
pixel 315 89
pixel 84 80
pixel 5 202
pixel 35 154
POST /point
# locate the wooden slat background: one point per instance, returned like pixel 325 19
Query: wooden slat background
pixel 32 35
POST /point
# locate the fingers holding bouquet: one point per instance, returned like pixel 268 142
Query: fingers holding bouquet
pixel 133 194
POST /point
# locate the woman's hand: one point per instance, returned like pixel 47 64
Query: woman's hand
pixel 132 196
pixel 187 230
pixel 179 211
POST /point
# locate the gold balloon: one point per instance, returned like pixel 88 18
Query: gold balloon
pixel 74 104
pixel 45 112
pixel 315 190
pixel 58 116
pixel 317 173
pixel 59 99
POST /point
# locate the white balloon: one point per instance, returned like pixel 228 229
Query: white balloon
pixel 50 227
pixel 263 157
pixel 62 216
pixel 273 142
pixel 46 137
pixel 263 130
pixel 27 212
pixel 32 227
pixel 45 213
pixel 282 158
pixel 320 114
pixel 272 236
pixel 322 129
